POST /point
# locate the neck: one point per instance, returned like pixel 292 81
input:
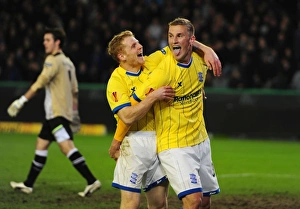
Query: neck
pixel 56 51
pixel 130 68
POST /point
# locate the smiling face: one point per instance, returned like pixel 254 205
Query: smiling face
pixel 131 57
pixel 180 42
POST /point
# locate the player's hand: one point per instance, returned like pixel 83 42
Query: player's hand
pixel 213 62
pixel 114 150
pixel 16 106
pixel 166 93
pixel 76 122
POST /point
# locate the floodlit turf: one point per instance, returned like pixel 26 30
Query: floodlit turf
pixel 244 168
pixel 257 166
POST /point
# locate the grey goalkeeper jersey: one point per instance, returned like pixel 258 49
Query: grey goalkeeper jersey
pixel 59 80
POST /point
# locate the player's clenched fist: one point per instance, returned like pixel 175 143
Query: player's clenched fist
pixel 16 106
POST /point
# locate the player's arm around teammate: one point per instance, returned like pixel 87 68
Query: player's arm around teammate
pixel 211 59
pixel 183 143
pixel 137 167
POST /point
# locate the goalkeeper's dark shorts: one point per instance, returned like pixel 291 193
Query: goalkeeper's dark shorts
pixel 56 129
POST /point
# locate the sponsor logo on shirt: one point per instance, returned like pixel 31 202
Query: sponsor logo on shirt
pixel 187 97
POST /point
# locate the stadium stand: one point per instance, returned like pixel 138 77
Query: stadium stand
pixel 258 42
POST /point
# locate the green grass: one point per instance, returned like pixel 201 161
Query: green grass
pixel 257 166
pixel 244 168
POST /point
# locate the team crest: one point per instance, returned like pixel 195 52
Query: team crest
pixel 200 76
pixel 193 178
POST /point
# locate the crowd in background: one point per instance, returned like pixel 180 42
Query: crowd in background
pixel 257 41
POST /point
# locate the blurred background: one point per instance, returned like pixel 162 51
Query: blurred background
pixel 257 41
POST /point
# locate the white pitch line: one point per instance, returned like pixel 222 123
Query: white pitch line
pixel 272 175
pixel 232 175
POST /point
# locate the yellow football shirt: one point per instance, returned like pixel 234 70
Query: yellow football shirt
pixel 121 85
pixel 179 123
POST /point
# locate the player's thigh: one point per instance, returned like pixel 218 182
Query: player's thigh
pixel 192 200
pixel 56 129
pixel 130 167
pixel 157 196
pixel 154 176
pixel 181 166
pixel 130 200
pixel 142 144
pixel 45 137
pixel 207 172
pixel 42 144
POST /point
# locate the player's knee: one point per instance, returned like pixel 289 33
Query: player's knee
pixel 130 204
pixel 67 147
pixel 160 203
pixel 192 200
pixel 205 202
pixel 205 206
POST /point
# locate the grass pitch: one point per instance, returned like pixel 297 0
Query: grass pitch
pixel 252 174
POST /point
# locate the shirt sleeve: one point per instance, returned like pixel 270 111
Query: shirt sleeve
pixel 117 95
pixel 159 77
pixel 49 71
pixel 153 60
pixel 74 79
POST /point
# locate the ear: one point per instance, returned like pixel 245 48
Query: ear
pixel 57 43
pixel 121 57
pixel 192 39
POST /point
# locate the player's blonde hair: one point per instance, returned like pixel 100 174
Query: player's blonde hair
pixel 182 21
pixel 115 46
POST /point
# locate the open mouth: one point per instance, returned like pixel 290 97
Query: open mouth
pixel 140 54
pixel 176 50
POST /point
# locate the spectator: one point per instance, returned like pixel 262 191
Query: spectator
pixel 232 27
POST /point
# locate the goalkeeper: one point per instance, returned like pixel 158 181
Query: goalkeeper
pixel 61 107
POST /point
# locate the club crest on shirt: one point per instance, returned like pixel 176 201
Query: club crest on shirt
pixel 200 76
pixel 133 178
pixel 115 96
pixel 193 178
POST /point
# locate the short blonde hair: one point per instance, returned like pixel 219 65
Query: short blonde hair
pixel 183 21
pixel 115 46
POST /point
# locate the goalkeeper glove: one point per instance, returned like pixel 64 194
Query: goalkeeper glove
pixel 16 106
pixel 75 124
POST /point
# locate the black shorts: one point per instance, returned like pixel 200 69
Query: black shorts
pixel 49 125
